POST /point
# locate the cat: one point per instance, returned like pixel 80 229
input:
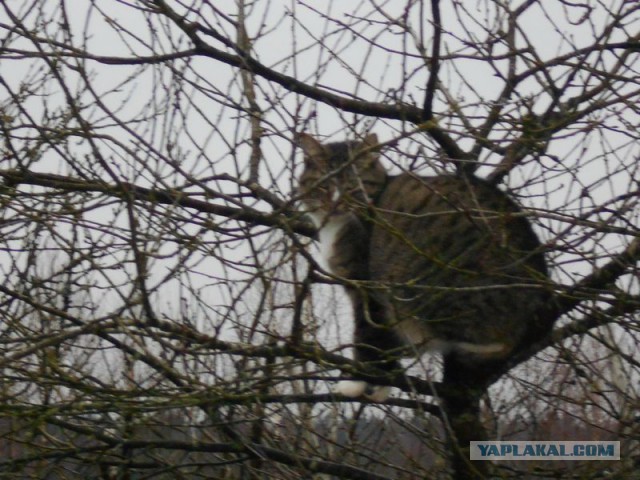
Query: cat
pixel 445 263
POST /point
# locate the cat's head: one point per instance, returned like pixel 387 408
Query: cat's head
pixel 339 176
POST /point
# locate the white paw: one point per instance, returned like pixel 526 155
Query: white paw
pixel 355 389
pixel 349 388
pixel 377 394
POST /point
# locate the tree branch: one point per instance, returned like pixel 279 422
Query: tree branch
pixel 434 62
pixel 537 130
pixel 284 220
pixel 248 85
pixel 596 319
pixel 563 304
pixel 399 111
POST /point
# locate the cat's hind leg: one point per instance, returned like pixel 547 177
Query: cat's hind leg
pixel 376 346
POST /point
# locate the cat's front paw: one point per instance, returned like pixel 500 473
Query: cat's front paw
pixel 355 389
pixel 377 393
pixel 350 388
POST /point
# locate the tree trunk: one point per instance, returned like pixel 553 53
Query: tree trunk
pixel 463 387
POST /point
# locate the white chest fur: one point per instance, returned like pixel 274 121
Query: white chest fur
pixel 328 229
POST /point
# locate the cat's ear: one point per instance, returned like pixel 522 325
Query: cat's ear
pixel 372 147
pixel 371 140
pixel 311 147
pixel 370 143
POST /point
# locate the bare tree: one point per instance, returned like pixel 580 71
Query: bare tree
pixel 161 311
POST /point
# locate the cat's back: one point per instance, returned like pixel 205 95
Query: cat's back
pixel 443 194
pixel 458 253
pixel 446 218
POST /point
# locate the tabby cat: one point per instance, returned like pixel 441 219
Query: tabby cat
pixel 444 263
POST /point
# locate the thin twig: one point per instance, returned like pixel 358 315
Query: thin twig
pixel 434 62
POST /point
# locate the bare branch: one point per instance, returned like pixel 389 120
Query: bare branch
pixel 282 220
pixel 434 62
